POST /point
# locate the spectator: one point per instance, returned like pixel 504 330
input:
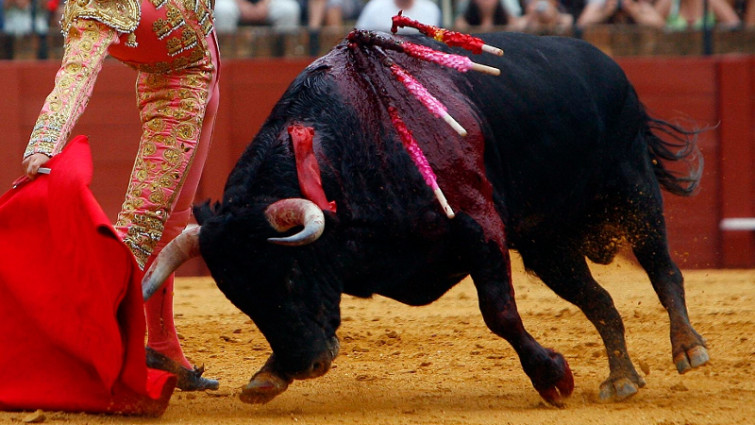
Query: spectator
pixel 512 7
pixel 282 15
pixel 24 17
pixel 484 15
pixel 749 13
pixel 640 12
pixel 329 14
pixel 544 15
pixel 377 14
pixel 686 14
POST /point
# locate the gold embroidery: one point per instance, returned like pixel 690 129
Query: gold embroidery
pixel 121 15
pixel 207 26
pixel 174 46
pixel 156 126
pixel 187 48
pixel 144 232
pixel 174 17
pixel 73 86
pixel 149 149
pixel 183 62
pixel 185 131
pixel 189 39
pixel 171 131
pixel 161 28
pixel 45 134
pixel 40 147
pixel 157 196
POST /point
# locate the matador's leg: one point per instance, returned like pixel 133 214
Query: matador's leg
pixel 177 113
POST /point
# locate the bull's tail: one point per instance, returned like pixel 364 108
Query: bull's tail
pixel 676 158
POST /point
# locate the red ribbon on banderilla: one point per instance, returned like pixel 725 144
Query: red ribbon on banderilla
pixel 451 38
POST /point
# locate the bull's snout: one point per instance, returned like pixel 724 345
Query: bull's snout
pixel 321 364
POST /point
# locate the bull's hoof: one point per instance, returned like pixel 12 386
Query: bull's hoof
pixel 563 388
pixel 620 389
pixel 188 379
pixel 692 358
pixel 263 387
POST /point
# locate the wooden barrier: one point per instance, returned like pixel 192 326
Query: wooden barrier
pixel 715 91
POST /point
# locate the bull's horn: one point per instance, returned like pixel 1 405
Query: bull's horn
pixel 177 252
pixel 288 213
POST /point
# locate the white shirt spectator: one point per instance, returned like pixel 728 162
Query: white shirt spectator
pixel 18 19
pixel 377 14
pixel 282 15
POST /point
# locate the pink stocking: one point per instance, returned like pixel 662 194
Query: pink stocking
pixel 161 331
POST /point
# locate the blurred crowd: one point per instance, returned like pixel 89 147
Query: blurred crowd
pixel 29 17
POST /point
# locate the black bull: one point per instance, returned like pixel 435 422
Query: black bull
pixel 561 162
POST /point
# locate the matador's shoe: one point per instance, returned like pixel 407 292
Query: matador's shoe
pixel 188 379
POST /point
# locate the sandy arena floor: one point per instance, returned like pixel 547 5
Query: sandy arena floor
pixel 440 365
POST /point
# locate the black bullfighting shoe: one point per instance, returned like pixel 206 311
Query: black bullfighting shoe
pixel 188 379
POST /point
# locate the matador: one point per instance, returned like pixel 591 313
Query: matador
pixel 173 48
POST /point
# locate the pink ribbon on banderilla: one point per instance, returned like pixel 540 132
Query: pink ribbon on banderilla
pixel 429 101
pixel 420 161
pixel 416 89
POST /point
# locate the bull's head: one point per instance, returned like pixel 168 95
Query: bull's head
pixel 262 275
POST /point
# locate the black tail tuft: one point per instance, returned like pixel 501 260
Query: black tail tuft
pixel 679 151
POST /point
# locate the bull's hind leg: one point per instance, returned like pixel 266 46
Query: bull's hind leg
pixel 650 246
pixel 547 369
pixel 569 277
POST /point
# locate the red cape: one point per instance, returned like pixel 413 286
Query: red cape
pixel 71 311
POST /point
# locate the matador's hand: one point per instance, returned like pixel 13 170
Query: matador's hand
pixel 32 163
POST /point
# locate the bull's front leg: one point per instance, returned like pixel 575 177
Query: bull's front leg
pixel 267 383
pixel 567 273
pixel 547 369
pixel 274 377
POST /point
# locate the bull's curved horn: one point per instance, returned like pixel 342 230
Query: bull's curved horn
pixel 184 247
pixel 288 213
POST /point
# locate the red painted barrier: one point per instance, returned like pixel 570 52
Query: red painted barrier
pixel 737 158
pixel 684 90
pixel 717 92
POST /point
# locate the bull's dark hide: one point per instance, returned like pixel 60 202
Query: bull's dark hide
pixel 560 163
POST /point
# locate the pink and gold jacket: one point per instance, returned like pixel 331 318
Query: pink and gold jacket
pixel 154 36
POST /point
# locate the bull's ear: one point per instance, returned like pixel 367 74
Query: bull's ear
pixel 288 213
